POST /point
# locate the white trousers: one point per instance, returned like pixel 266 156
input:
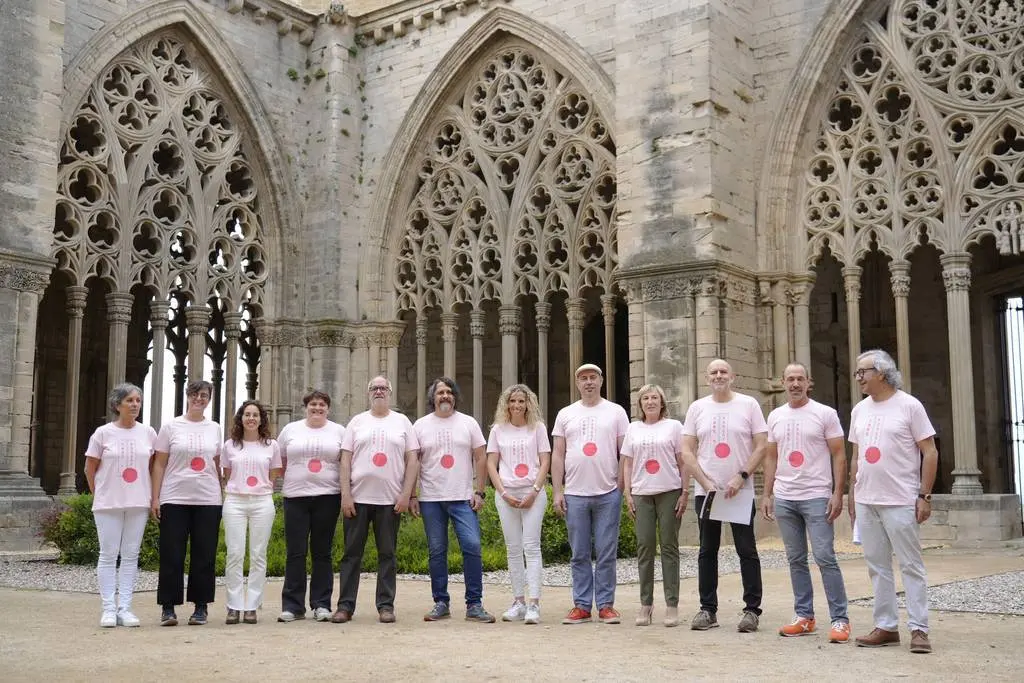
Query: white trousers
pixel 884 530
pixel 120 533
pixel 257 514
pixel 521 528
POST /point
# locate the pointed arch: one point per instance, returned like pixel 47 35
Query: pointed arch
pixel 278 206
pixel 387 232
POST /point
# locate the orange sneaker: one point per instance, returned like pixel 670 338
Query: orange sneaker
pixel 801 626
pixel 577 615
pixel 840 632
pixel 609 615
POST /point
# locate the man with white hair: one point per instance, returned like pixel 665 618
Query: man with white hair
pixel 893 474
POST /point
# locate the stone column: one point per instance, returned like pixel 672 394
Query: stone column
pixel 608 302
pixel 197 319
pixel 421 363
pixel 899 275
pixel 477 327
pixel 76 297
pixel 851 282
pixel 373 365
pixel 800 295
pixel 543 315
pixel 510 322
pixel 392 341
pixel 158 321
pixel 780 330
pixel 23 278
pixel 708 322
pixel 576 312
pixel 956 275
pixel 449 333
pixel 119 316
pixel 232 332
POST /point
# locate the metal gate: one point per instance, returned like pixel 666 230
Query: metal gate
pixel 1011 327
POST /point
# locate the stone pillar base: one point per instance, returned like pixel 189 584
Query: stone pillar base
pixel 973 520
pixel 22 504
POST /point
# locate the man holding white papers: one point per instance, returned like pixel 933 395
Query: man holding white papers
pixel 803 490
pixel 724 440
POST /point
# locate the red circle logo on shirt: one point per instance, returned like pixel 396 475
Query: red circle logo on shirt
pixel 198 464
pixel 590 449
pixel 315 466
pixel 447 461
pixel 796 459
pixel 652 466
pixel 380 459
pixel 252 481
pixel 722 450
pixel 522 469
pixel 129 474
pixel 873 455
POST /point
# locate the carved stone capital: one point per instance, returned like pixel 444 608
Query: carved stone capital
pixel 543 314
pixel 76 297
pixel 576 313
pixel 421 331
pixel 899 276
pixel 956 272
pixel 119 309
pixel 332 333
pixel 851 282
pixel 609 305
pixel 197 319
pixel 232 325
pixel 391 335
pixel 510 320
pixel 799 291
pixel 23 279
pixel 663 288
pixel 449 326
pixel 709 286
pixel 158 309
pixel 740 290
pixel 477 324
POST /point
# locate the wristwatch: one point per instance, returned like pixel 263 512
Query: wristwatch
pixel 482 494
pixel 926 497
pixel 536 488
pixel 744 474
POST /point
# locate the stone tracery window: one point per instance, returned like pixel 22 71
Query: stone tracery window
pixel 926 110
pixel 515 194
pixel 153 176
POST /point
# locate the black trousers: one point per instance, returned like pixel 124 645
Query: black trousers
pixel 188 526
pixel 309 524
pixel 385 523
pixel 707 561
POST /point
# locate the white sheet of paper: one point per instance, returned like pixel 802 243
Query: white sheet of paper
pixel 856 533
pixel 735 509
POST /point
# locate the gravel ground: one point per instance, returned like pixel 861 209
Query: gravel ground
pixel 996 594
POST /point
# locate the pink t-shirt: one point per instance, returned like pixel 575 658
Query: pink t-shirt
pixel 725 436
pixel 518 450
pixel 804 470
pixel 653 449
pixel 591 436
pixel 378 446
pixel 313 457
pixel 446 456
pixel 888 459
pixel 191 477
pixel 250 466
pixel 122 480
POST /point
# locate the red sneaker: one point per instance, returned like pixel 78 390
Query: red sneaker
pixel 577 615
pixel 609 615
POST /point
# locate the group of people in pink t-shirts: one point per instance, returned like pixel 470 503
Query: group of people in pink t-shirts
pixel 382 465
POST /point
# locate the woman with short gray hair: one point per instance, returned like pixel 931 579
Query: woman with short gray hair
pixel 116 462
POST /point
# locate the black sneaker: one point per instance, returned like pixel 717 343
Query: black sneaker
pixel 168 617
pixel 198 617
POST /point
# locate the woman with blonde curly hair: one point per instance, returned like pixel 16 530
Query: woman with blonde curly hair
pixel 656 493
pixel 518 459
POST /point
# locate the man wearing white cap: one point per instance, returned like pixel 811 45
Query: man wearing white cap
pixel 585 476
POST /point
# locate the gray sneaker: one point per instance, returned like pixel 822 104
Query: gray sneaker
pixel 438 612
pixel 704 620
pixel 478 613
pixel 748 622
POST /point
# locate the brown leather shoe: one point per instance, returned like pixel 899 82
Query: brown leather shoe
pixel 232 617
pixel 879 638
pixel 341 616
pixel 387 615
pixel 919 643
pixel 249 617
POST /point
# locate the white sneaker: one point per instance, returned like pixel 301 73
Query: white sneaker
pixel 287 616
pixel 126 618
pixel 514 613
pixel 532 614
pixel 108 620
pixel 322 614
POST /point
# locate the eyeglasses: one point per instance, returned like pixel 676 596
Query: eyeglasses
pixel 859 374
pixel 203 396
pixel 379 388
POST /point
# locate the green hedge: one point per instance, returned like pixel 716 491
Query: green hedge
pixel 73 531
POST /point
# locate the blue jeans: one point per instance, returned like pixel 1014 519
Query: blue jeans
pixel 467 531
pixel 593 525
pixel 797 519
